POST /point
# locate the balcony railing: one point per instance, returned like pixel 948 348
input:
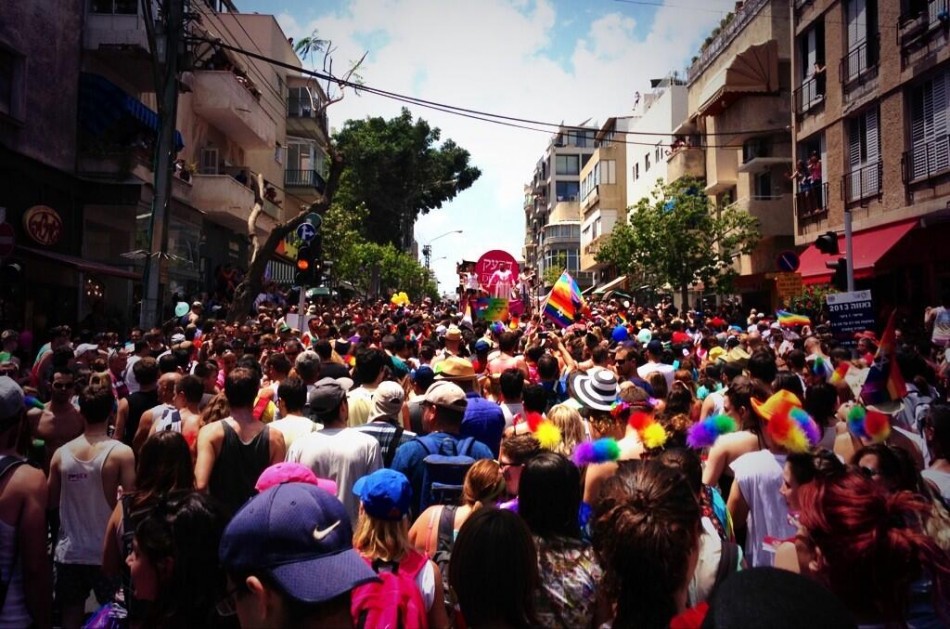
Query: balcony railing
pixel 305 179
pixel 812 203
pixel 915 30
pixel 860 63
pixel 724 38
pixel 863 182
pixel 801 4
pixel 810 93
pixel 926 160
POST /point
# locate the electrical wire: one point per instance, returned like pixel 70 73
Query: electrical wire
pixel 499 119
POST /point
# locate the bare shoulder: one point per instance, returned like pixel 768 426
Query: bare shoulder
pixel 122 451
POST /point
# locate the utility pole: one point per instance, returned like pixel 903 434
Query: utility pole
pixel 165 58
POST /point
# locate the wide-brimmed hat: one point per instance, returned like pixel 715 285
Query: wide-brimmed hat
pixel 779 403
pixel 454 368
pixel 453 333
pixel 596 390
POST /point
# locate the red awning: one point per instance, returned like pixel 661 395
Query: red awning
pixel 869 246
pixel 86 266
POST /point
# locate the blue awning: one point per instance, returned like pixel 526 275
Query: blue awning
pixel 102 104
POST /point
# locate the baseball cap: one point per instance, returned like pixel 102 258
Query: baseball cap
pixel 387 400
pixel 327 394
pixel 447 395
pixel 289 472
pixel 423 376
pixel 177 338
pixel 655 347
pixel 11 398
pixel 301 537
pixel 85 348
pixel 385 494
pixel 481 345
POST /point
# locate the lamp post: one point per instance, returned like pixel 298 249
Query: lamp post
pixel 427 248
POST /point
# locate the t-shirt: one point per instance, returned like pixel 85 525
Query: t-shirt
pixel 667 370
pixel 939 478
pixel 360 402
pixel 570 575
pixel 342 455
pixel 941 332
pixel 759 475
pixel 293 427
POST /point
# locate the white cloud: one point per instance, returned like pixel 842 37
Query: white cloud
pixel 496 56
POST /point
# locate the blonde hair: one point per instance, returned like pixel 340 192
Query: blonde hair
pixel 569 422
pixel 381 539
pixel 217 409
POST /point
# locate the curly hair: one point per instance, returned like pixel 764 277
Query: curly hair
pixel 645 529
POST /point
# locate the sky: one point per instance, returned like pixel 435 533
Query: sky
pixel 547 60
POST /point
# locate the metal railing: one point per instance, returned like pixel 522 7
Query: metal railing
pixel 862 183
pixel 860 62
pixel 304 179
pixel 724 38
pixel 812 203
pixel 917 27
pixel 926 160
pixel 810 93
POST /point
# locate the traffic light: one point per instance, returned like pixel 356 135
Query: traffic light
pixel 840 277
pixel 305 267
pixel 827 243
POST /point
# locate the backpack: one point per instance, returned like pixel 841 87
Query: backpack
pixel 444 469
pixel 728 565
pixel 394 601
pixel 443 555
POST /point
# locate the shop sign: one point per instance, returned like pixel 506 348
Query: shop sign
pixel 43 224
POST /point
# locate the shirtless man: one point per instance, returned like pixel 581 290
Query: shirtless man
pixel 59 421
pixel 23 503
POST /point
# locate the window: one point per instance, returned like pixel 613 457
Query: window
pixel 567 165
pixel 929 111
pixel 811 48
pixel 636 171
pixel 646 163
pixel 864 157
pixel 11 83
pixel 567 190
pixel 300 104
pixel 279 153
pixel 861 35
pixel 763 185
pixel 115 7
pixel 208 161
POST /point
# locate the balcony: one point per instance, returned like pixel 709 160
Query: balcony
pixel 229 200
pixel 687 161
pixel 860 64
pixel 591 198
pixel 589 254
pixel 226 101
pixel 116 163
pixel 305 179
pixel 760 154
pixel 916 31
pixel 725 37
pixel 812 204
pixel 863 183
pixel 774 213
pixel 810 94
pixel 926 160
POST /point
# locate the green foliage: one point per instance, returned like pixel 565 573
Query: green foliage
pixel 397 170
pixel 678 236
pixel 811 301
pixel 553 272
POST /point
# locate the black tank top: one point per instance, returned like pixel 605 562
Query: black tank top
pixel 238 466
pixel 139 402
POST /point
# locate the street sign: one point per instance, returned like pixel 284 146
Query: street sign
pixel 788 284
pixel 849 313
pixel 7 240
pixel 314 219
pixel 787 262
pixel 306 232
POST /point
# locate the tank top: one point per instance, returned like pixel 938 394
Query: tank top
pixel 238 466
pixel 14 612
pixel 83 509
pixel 139 402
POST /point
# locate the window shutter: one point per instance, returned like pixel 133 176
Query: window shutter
pixel 872 176
pixel 208 164
pixel 854 159
pixel 918 131
pixel 941 149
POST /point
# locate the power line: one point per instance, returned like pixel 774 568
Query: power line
pixel 499 119
pixel 766 11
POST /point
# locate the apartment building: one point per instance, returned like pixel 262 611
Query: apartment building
pixel 552 206
pixel 603 195
pixel 77 154
pixel 872 103
pixel 739 95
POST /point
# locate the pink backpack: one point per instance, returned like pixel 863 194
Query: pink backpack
pixel 393 602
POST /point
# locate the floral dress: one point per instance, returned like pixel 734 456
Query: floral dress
pixel 569 576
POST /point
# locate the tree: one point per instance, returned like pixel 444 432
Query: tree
pixel 260 253
pixel 557 266
pixel 679 236
pixel 397 170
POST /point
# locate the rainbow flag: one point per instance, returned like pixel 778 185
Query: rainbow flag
pixel 467 317
pixel 515 322
pixel 621 319
pixel 787 319
pixel 491 308
pixel 565 303
pixel 884 382
pixel 840 372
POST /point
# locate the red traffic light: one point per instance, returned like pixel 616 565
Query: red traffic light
pixel 303 264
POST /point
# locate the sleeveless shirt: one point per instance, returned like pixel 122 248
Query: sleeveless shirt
pixel 83 509
pixel 238 466
pixel 139 402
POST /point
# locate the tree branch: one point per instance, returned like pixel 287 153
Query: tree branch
pixel 258 189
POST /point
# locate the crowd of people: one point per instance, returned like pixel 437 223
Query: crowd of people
pixel 401 465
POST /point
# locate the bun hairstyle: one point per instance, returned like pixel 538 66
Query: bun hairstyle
pixel 645 528
pixel 872 544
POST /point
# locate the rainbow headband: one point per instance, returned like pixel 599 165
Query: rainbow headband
pixel 794 430
pixel 600 451
pixel 545 431
pixel 869 424
pixel 650 431
pixel 704 434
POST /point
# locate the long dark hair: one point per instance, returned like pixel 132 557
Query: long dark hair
pixel 163 467
pixel 494 570
pixel 549 496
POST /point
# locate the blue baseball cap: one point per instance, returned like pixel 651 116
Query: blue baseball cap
pixel 300 536
pixel 423 376
pixel 385 494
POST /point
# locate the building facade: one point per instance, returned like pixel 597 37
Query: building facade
pixel 871 106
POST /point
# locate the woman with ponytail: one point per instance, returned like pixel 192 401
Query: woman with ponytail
pixel 869 549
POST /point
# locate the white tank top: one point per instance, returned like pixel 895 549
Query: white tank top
pixel 83 510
